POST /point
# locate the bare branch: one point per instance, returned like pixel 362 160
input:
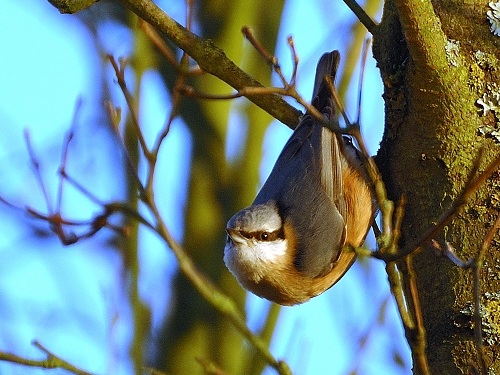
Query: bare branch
pixel 36 170
pixel 52 361
pixel 259 47
pixel 71 6
pixel 166 51
pixel 120 76
pixel 364 18
pixel 212 59
pixel 418 340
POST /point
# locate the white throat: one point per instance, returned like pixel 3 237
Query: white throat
pixel 254 259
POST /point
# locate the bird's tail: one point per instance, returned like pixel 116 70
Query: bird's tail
pixel 322 96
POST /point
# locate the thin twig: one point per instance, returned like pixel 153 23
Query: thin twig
pixel 449 252
pixel 395 233
pixel 364 18
pixel 62 168
pixel 115 117
pixel 259 47
pixel 396 285
pixel 419 341
pixel 269 57
pixel 166 51
pixel 36 170
pixel 51 361
pixel 477 265
pixel 57 361
pixel 364 57
pixel 64 153
pixel 120 76
pixel 295 61
pixel 487 242
pixel 184 71
pixel 176 101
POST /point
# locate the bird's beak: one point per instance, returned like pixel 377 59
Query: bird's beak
pixel 235 236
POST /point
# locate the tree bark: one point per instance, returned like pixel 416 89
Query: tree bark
pixel 436 60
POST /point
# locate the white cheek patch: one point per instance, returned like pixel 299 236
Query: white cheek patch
pixel 268 251
pixel 254 259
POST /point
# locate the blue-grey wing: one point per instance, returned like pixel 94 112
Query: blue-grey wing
pixel 306 184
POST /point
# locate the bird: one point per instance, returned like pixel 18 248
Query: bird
pixel 290 244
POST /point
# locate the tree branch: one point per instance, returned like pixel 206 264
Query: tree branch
pixel 364 18
pixel 209 57
pixel 71 6
pixel 212 59
pixel 424 36
pixel 51 362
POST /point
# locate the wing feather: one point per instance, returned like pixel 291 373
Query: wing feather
pixel 306 183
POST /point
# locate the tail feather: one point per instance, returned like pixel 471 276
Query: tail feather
pixel 327 66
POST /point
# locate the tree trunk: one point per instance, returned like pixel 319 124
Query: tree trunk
pixel 436 60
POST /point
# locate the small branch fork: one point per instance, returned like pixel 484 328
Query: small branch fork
pixel 288 89
pixel 58 224
pixel 51 361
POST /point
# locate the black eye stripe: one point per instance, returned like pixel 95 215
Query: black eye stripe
pixel 246 234
pixel 265 236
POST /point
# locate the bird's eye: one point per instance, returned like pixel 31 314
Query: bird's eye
pixel 265 236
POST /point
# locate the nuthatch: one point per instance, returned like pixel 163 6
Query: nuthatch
pixel 288 245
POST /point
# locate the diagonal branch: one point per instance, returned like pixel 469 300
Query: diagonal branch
pixel 212 59
pixel 364 18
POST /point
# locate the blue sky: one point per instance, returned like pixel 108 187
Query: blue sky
pixel 53 294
